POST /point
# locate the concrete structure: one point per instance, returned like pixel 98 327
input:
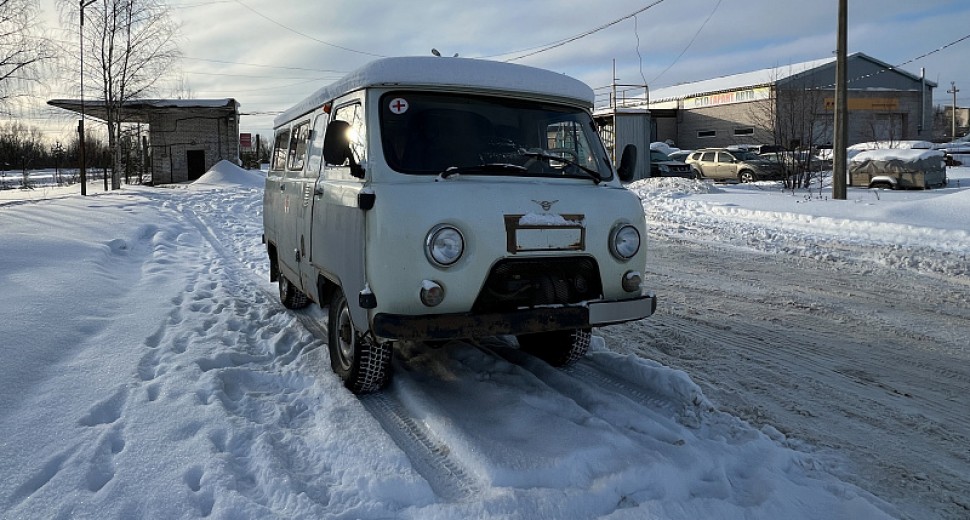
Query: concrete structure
pixel 792 105
pixel 186 136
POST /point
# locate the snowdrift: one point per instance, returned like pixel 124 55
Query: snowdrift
pixel 225 174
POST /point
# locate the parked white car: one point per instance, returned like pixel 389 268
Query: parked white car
pixel 430 199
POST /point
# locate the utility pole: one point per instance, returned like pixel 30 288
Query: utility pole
pixel 841 108
pixel 80 124
pixel 953 109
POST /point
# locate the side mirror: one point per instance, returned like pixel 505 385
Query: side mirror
pixel 628 163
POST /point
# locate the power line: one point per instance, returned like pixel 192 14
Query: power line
pixel 307 36
pixel 690 43
pixel 571 39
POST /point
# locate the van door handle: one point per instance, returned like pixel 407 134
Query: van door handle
pixel 282 187
pixel 318 191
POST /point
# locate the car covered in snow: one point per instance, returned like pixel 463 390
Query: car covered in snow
pixel 892 168
pixel 431 199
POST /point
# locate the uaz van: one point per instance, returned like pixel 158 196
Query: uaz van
pixel 430 199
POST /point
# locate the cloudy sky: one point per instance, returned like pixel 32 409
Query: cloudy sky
pixel 269 54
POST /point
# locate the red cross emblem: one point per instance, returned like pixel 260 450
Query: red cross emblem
pixel 398 106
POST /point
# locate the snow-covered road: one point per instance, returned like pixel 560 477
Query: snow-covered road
pixel 149 371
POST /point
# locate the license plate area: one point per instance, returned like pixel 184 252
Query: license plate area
pixel 545 232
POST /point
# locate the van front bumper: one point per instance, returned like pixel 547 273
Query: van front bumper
pixel 524 321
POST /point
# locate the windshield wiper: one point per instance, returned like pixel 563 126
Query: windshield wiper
pixel 593 174
pixel 503 167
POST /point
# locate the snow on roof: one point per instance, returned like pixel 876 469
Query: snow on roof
pixel 878 145
pixel 448 72
pixel 896 154
pixel 735 81
pixel 757 78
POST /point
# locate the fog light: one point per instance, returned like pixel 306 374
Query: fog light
pixel 631 281
pixel 432 293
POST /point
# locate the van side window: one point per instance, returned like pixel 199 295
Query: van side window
pixel 280 147
pixel 354 114
pixel 298 145
pixel 315 150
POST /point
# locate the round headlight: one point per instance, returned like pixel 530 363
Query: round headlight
pixel 444 245
pixel 624 242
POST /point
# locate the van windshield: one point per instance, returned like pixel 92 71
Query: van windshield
pixel 428 133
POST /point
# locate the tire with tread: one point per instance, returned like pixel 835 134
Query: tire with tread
pixel 363 364
pixel 290 296
pixel 746 176
pixel 559 348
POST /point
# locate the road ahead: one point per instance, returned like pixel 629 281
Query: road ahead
pixel 865 362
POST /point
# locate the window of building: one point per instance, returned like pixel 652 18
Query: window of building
pixel 706 133
pixel 744 131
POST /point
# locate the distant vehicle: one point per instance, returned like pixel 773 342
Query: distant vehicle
pixel 725 165
pixel 759 149
pixel 898 169
pixel 661 165
pixel 798 161
pixel 679 155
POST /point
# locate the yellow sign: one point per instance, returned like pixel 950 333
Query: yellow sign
pixel 875 104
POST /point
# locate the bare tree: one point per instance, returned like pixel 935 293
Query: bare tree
pixel 22 49
pixel 132 45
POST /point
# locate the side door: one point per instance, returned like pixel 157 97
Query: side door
pixel 338 227
pixel 291 195
pixel 707 165
pixel 273 192
pixel 313 209
pixel 726 166
pixel 299 190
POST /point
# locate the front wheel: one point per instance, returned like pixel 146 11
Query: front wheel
pixel 559 348
pixel 747 176
pixel 363 363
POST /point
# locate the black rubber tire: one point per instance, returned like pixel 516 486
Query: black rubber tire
pixel 697 175
pixel 290 296
pixel 364 365
pixel 559 348
pixel 746 176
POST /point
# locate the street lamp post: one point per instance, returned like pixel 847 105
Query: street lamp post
pixel 80 124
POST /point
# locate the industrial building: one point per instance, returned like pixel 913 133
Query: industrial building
pixel 788 105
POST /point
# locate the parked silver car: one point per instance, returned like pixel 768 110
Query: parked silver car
pixel 725 165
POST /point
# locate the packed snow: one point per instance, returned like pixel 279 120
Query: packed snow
pixel 151 372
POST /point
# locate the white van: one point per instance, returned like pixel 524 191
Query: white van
pixel 429 199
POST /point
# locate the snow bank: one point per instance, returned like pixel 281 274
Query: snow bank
pixel 225 174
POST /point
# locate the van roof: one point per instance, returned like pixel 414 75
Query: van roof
pixel 448 72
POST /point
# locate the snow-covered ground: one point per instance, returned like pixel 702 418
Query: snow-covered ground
pixel 150 372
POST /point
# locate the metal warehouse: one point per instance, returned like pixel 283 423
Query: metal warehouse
pixel 792 106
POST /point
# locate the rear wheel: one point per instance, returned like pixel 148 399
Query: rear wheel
pixel 290 296
pixel 558 348
pixel 363 363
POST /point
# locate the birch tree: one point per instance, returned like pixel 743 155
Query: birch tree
pixel 129 46
pixel 22 49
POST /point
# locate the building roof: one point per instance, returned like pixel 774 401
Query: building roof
pixel 447 72
pixel 138 110
pixel 758 78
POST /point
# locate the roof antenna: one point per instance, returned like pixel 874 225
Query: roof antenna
pixel 438 54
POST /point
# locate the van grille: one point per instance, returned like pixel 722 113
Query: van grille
pixel 525 282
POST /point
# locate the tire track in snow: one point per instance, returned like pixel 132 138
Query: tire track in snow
pixel 431 457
